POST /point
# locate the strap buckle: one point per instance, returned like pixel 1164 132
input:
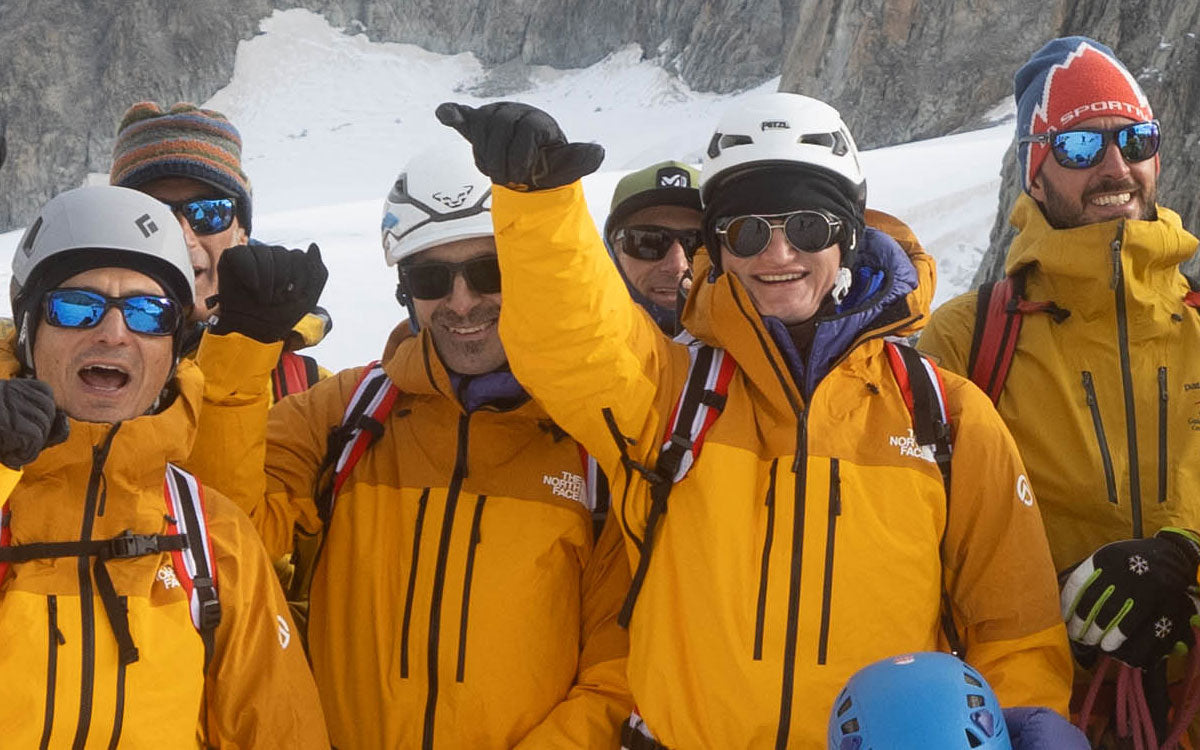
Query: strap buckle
pixel 129 544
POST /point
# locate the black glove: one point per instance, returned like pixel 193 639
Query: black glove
pixel 265 290
pixel 519 146
pixel 1133 599
pixel 29 421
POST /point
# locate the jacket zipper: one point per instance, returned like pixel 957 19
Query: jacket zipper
pixel 800 470
pixel 439 577
pixel 87 610
pixel 835 510
pixel 1110 481
pixel 466 597
pixel 119 713
pixel 1135 490
pixel 55 640
pixel 412 583
pixel 1162 435
pixel 766 565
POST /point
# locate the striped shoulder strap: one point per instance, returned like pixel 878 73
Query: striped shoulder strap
pixel 195 564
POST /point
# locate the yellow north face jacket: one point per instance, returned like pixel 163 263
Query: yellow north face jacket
pixel 1104 406
pixel 63 684
pixel 459 599
pixel 806 541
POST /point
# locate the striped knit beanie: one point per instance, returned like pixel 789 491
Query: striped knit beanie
pixel 185 141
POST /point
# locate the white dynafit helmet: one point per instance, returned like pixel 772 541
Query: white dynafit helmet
pixel 96 227
pixel 780 129
pixel 439 197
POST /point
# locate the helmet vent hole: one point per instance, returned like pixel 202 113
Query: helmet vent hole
pixel 973 740
pixel 841 143
pixel 31 235
pixel 971 680
pixel 974 701
pixel 844 707
pixel 850 727
pixel 817 139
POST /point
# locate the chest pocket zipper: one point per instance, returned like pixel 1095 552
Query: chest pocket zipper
pixel 55 640
pixel 1089 389
pixel 766 565
pixel 466 597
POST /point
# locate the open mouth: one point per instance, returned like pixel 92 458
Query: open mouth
pixel 104 377
pixel 474 330
pixel 1111 199
pixel 780 278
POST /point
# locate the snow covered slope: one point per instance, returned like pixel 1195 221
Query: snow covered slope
pixel 328 119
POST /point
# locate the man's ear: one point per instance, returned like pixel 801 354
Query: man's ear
pixel 1037 188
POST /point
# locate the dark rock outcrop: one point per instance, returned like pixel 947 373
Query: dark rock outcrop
pixel 70 68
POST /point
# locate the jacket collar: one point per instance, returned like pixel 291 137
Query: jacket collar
pixel 1075 267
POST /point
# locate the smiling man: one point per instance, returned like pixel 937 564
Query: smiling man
pixel 1101 391
pixel 652 231
pixel 166 627
pixel 809 531
pixel 462 597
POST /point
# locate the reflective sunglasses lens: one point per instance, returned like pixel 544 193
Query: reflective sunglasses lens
pixel 156 316
pixel 645 244
pixel 747 236
pixel 74 308
pixel 429 280
pixel 808 231
pixel 483 274
pixel 208 215
pixel 1138 142
pixel 690 240
pixel 1078 149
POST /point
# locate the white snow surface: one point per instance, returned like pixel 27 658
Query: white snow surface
pixel 328 119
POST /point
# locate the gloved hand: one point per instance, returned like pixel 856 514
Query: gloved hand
pixel 264 290
pixel 1042 729
pixel 519 146
pixel 1133 599
pixel 29 421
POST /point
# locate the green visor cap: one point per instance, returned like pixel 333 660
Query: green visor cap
pixel 668 183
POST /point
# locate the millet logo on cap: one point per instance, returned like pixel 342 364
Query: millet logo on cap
pixel 669 177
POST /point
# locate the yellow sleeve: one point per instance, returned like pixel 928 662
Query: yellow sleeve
pixel 594 709
pixel 999 574
pixel 229 449
pixel 259 690
pixel 574 337
pixel 8 480
pixel 947 338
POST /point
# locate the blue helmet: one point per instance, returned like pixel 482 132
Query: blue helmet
pixel 924 701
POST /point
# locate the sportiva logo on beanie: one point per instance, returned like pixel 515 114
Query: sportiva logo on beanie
pixel 184 141
pixel 1067 81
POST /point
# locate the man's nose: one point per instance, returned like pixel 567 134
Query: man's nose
pixel 462 298
pixel 1113 165
pixel 111 328
pixel 675 261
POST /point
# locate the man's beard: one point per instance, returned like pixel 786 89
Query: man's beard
pixel 1062 213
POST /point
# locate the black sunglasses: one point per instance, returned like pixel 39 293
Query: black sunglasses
pixel 808 231
pixel 206 215
pixel 654 242
pixel 1085 147
pixel 435 280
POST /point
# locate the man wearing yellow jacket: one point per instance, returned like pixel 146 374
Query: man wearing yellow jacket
pixel 460 598
pixel 811 535
pixel 1102 393
pixel 137 608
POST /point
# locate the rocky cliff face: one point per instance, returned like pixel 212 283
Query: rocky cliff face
pixel 70 68
pixel 901 70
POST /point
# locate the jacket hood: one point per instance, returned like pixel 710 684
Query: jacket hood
pixel 894 279
pixel 1074 267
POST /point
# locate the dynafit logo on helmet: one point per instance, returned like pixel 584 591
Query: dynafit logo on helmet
pixel 454 198
pixel 1086 84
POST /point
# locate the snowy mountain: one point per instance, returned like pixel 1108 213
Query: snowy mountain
pixel 328 119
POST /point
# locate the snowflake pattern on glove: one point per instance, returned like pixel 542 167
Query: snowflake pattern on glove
pixel 1162 628
pixel 1138 565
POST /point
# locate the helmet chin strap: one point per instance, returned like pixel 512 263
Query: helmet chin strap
pixel 405 299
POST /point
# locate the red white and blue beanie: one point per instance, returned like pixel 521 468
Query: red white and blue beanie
pixel 184 141
pixel 1070 80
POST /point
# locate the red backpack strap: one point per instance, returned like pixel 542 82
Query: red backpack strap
pixel 920 382
pixel 195 565
pixel 362 424
pixel 293 374
pixel 998 313
pixel 597 497
pixel 702 401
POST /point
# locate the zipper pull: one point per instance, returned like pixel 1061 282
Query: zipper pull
pixel 1116 254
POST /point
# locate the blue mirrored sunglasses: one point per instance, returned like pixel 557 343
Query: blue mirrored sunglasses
pixel 82 308
pixel 206 215
pixel 1085 147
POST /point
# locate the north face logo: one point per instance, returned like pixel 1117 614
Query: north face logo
pixel 909 447
pixel 566 485
pixel 454 199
